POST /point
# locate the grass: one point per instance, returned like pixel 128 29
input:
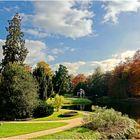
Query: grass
pixel 77 101
pixel 13 129
pixel 55 116
pixel 74 133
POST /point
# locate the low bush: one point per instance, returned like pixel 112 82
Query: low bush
pixel 110 123
pixel 69 114
pixel 43 110
pixel 56 102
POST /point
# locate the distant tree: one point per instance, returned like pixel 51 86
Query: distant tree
pixel 18 93
pixel 43 74
pixel 119 82
pixel 13 49
pixel 78 79
pixel 125 80
pixel 61 80
pixel 81 85
pixel 134 66
pixel 97 84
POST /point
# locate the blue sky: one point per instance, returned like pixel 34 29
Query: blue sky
pixel 79 34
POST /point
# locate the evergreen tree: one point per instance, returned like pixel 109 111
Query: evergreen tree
pixel 61 80
pixel 18 92
pixel 14 50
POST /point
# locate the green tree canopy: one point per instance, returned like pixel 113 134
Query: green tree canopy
pixel 14 48
pixel 61 80
pixel 43 74
pixel 18 92
pixel 97 84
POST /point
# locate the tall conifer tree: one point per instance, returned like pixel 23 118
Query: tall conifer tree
pixel 14 48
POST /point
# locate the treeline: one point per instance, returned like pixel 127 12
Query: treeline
pixel 122 82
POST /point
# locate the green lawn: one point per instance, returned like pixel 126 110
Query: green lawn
pixel 74 133
pixel 13 129
pixel 70 101
pixel 55 116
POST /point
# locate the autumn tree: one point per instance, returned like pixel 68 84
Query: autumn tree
pixel 61 80
pixel 43 74
pixel 119 82
pixel 78 79
pixel 125 81
pixel 135 74
pixel 14 48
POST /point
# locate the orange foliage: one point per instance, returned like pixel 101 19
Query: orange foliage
pixel 135 74
pixel 78 79
pixel 126 76
pixel 119 81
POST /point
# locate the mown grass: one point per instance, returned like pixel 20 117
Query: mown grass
pixel 76 101
pixel 55 116
pixel 13 129
pixel 73 134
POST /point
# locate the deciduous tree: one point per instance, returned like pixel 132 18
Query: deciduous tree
pixel 43 74
pixel 78 79
pixel 135 74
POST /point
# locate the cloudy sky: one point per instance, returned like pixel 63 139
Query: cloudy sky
pixel 79 34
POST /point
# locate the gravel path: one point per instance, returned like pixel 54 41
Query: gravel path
pixel 71 123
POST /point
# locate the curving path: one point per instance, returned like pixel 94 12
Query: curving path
pixel 71 123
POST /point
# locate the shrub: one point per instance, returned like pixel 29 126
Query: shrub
pixel 110 123
pixel 43 110
pixel 69 114
pixel 56 102
pixel 18 93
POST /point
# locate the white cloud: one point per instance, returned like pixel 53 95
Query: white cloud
pixel 115 7
pixel 9 9
pixel 35 32
pixel 88 67
pixel 37 51
pixel 73 67
pixel 50 58
pixel 63 18
pixel 26 17
pixel 57 51
pixel 72 49
pixel 109 64
pixel 124 55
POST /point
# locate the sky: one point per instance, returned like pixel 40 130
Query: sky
pixel 80 34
